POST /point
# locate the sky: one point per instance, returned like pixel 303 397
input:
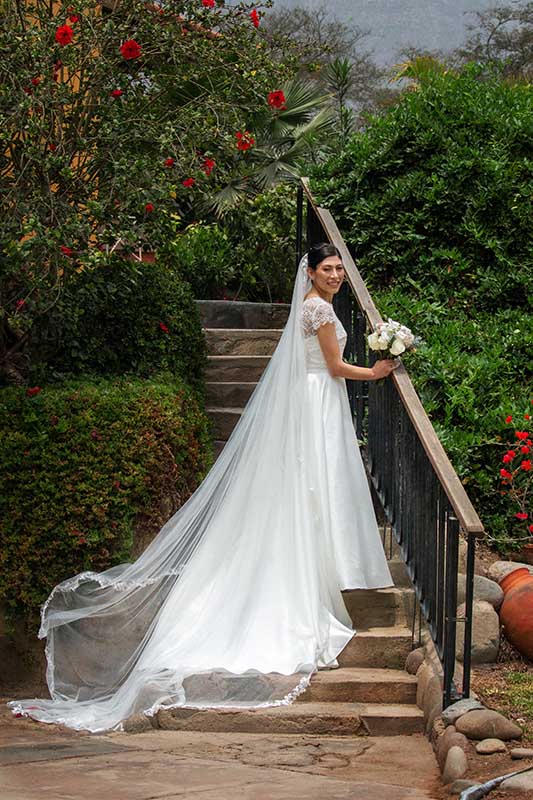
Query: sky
pixel 395 24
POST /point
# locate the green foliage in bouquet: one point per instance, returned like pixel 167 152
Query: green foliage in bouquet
pixel 435 201
pixel 90 472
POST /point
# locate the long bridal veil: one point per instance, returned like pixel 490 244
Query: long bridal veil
pixel 235 602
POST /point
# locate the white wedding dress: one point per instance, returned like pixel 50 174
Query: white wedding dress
pixel 237 601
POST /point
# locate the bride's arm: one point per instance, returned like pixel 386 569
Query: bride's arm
pixel 338 368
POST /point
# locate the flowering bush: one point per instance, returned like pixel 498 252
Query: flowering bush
pixel 517 474
pixel 117 126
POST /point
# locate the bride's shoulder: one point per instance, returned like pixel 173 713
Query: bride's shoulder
pixel 313 299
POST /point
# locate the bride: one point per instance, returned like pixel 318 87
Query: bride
pixel 237 601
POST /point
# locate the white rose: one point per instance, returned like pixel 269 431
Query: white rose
pixel 373 341
pixel 397 347
pixel 383 341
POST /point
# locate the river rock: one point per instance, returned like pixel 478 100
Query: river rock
pixel 487 725
pixel 486 747
pixel 460 785
pixel 456 765
pixel 499 569
pixel 519 783
pixel 484 589
pixel 456 710
pixel 450 738
pixel 414 660
pixel 485 633
pixel 521 752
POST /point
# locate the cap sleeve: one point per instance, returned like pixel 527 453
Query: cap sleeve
pixel 322 314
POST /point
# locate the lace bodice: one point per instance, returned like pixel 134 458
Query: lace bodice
pixel 315 313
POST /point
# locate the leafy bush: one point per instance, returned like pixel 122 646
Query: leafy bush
pixel 439 191
pixel 90 471
pixel 435 201
pixel 249 255
pixel 119 316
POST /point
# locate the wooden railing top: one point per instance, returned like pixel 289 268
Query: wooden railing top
pixel 452 486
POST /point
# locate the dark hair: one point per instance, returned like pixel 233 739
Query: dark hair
pixel 318 252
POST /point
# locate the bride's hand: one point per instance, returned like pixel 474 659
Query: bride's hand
pixel 383 368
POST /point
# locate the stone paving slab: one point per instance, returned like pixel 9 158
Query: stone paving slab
pixel 47 762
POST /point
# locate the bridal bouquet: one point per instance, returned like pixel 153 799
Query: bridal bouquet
pixel 391 339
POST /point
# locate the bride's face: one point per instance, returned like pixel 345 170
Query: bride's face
pixel 328 276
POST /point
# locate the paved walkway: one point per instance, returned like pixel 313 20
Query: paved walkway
pixel 42 762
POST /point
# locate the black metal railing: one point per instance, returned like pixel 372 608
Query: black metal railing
pixel 423 500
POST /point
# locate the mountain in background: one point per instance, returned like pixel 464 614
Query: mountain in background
pixel 396 24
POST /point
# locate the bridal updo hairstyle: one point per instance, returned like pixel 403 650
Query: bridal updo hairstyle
pixel 318 252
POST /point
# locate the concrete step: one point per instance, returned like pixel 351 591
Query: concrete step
pixel 360 685
pixel 333 719
pixel 386 647
pixel 381 608
pixel 224 420
pixel 241 342
pixel 237 314
pixel 399 574
pixel 230 394
pixel 238 369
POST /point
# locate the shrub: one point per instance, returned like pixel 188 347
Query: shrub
pixel 434 200
pixel 90 471
pixel 247 256
pixel 120 316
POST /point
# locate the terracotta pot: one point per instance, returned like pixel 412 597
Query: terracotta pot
pixel 516 612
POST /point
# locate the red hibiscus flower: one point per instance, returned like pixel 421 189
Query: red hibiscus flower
pixel 169 162
pixel 36 81
pixel 254 16
pixel 188 182
pixel 506 475
pixel 521 434
pixel 67 251
pixel 149 207
pixel 526 465
pixel 33 391
pixel 208 3
pixel 277 100
pixel 130 49
pixel 74 18
pixel 20 304
pixel 526 416
pixel 508 419
pixel 164 327
pixel 521 515
pixel 525 449
pixel 116 93
pixel 508 457
pixel 530 528
pixel 244 140
pixel 64 35
pixel 208 165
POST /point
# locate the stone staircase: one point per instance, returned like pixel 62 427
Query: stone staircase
pixel 240 340
pixel 370 694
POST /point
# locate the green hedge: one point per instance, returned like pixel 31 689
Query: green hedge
pixel 117 316
pixel 434 199
pixel 90 472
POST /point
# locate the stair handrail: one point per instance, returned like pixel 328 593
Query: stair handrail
pixel 454 509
